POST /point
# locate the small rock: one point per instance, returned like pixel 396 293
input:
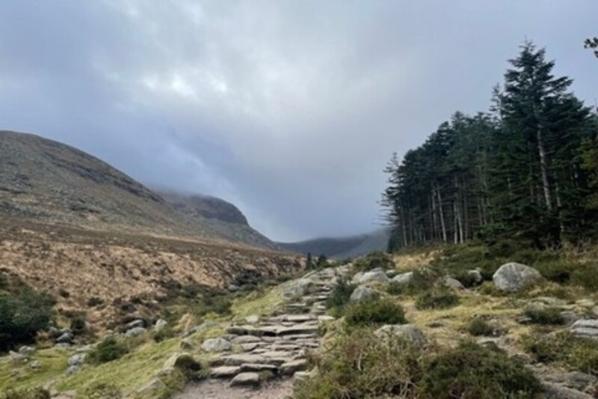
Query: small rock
pixel 77 359
pixel 26 350
pixel 216 345
pixel 252 319
pixel 513 277
pixel 135 331
pixel 363 293
pixel 135 324
pixel 160 325
pixel 587 328
pixel 65 338
pixel 17 357
pixel 403 278
pixel 35 365
pixel 407 331
pixel 452 283
pixel 246 379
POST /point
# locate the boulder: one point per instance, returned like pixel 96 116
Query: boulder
pixel 407 331
pixel 216 345
pixel 246 379
pixel 586 328
pixel 403 278
pixel 363 293
pixel 373 276
pixel 513 277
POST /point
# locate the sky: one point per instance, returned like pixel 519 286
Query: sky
pixel 289 109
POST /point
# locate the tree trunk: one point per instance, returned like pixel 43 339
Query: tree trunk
pixel 544 170
pixel 441 214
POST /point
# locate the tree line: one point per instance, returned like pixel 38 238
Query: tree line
pixel 526 169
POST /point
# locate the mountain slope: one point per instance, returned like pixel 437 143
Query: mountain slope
pixel 342 247
pixel 220 216
pixel 51 182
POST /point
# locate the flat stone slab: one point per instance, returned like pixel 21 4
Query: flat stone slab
pixel 289 368
pixel 224 371
pixel 257 367
pixel 246 379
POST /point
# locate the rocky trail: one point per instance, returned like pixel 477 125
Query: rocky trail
pixel 261 358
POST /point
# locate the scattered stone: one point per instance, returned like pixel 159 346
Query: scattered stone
pixel 160 324
pixel 135 332
pixel 363 293
pixel 216 345
pixel 452 283
pixel 246 379
pixel 26 350
pixel 65 338
pixel 513 277
pixel 403 278
pixel 252 319
pixel 586 328
pixel 135 324
pixel 556 391
pixel 35 365
pixel 407 331
pixel 77 359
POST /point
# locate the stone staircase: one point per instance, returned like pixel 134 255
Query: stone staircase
pixel 277 346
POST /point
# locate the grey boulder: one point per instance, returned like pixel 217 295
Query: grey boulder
pixel 513 277
pixel 364 293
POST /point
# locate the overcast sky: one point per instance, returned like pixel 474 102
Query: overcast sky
pixel 289 109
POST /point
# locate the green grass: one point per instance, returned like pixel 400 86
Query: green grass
pixel 53 364
pixel 579 354
pixel 437 298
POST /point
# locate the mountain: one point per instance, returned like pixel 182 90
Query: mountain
pixel 47 181
pixel 342 247
pixel 218 215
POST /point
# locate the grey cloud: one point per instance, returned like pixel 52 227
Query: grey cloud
pixel 288 109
